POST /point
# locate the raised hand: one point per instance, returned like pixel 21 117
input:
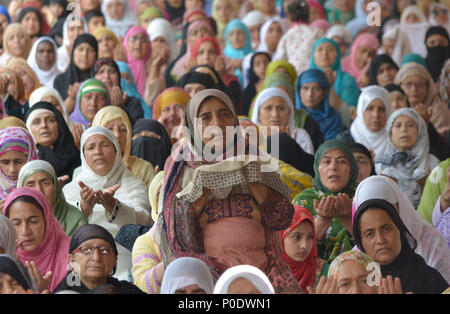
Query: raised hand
pixel 77 131
pixel 325 286
pixel 424 111
pixel 326 208
pixel 88 198
pixel 116 96
pixel 390 286
pixel 62 180
pixel 106 197
pixel 42 282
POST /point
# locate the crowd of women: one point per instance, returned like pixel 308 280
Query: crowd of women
pixel 335 179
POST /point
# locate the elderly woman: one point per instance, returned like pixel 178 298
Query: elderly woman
pixel 26 73
pixel 243 279
pixel 43 60
pixel 194 222
pixel 50 95
pixel 14 277
pixel 107 42
pixel 16 43
pixel 118 15
pixel 105 191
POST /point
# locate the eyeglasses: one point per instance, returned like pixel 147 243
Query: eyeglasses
pixel 89 250
pixel 436 12
pixel 141 39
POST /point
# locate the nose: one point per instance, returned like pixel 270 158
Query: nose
pixel 355 289
pixel 24 229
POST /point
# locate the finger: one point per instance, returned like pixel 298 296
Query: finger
pixel 48 276
pixel 156 169
pixel 398 285
pixel 310 290
pixel 82 185
pixel 321 284
pixel 36 271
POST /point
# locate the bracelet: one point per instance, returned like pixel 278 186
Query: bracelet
pixel 112 216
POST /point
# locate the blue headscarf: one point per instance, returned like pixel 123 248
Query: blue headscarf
pixel 4 11
pixel 329 120
pixel 132 90
pixel 345 85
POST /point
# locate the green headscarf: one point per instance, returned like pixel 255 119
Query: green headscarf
pixel 151 11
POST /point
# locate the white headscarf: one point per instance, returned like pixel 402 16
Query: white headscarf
pixel 39 93
pixel 402 44
pixel 8 236
pixel 431 245
pixel 119 27
pixel 160 27
pixel 263 32
pixel 45 77
pixel 432 19
pixel 251 273
pixel 377 141
pixel 254 18
pixel 186 271
pixel 342 32
pixel 63 54
pixel 417 31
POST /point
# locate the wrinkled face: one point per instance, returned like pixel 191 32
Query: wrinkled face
pixel 416 88
pixel 11 162
pixel 237 38
pixel 194 88
pixel 106 46
pixel 398 100
pixel 273 36
pixel 386 74
pixel 375 115
pixel 74 29
pixel 352 279
pixel 84 56
pixel 45 55
pixel 274 112
pixel 99 153
pixel 138 45
pixel 115 9
pixel 42 182
pixel 31 23
pixel 224 11
pixel 8 285
pixel 29 223
pixel 404 133
pixel 91 103
pixel 312 95
pixel 334 170
pixel 345 5
pixel 388 46
pixel 206 54
pixel 108 76
pixel 54 101
pixel 437 40
pixel 120 132
pixel 260 63
pixel 44 128
pixel 95 22
pixel 242 286
pixel 364 166
pixel 17 43
pixel 298 244
pixel 363 56
pixel 171 115
pixel 191 289
pixel 325 55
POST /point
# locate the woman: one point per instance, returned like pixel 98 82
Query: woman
pixel 359 23
pixel 300 251
pixel 382 70
pixel 330 198
pixel 107 42
pixel 116 120
pixel 16 43
pixel 398 258
pixel 243 279
pixel 357 64
pixel 174 11
pixel 8 237
pixel 17 276
pixel 118 15
pixel 256 74
pixel 341 11
pixel 40 175
pixel 12 94
pixel 72 28
pixel 92 257
pixel 160 30
pixel 187 275
pixel 274 108
pixel 254 21
pixel 364 159
pixel 222 12
pixel 438 50
pixel 16 148
pixel 407 157
pixel 369 127
pixel 221 253
pixel 29 78
pixel 414 23
pixel 41 247
pixel 340 34
pixel 43 59
pixel 431 245
pixel 34 22
pixel 148 15
pixel 105 191
pixel 51 95
pixel 270 34
pixel 398 97
pixel 439 15
pixel 396 44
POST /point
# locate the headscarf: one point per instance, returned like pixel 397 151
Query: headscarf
pixel 63 155
pixel 335 16
pixel 432 19
pixel 90 85
pixel 250 90
pixel 175 14
pixel 138 66
pixel 402 43
pixel 22 64
pixel 416 32
pixel 151 12
pixel 51 255
pixel 414 57
pixel 305 271
pixel 63 55
pixel 160 27
pixel 88 232
pixel 193 76
pixel 18 139
pixel 251 273
pixel 46 77
pixel 119 27
pixel 359 22
pixel 220 24
pixel 273 65
pixel 280 80
pixel 157 182
pixel 41 92
pixel 254 18
pixel 360 148
pixel 263 31
pixel 73 74
pixel 342 32
pixel 431 245
pixel 316 4
pixel 329 120
pixel 154 150
pixel 172 95
pixel 12 121
pixel 444 83
pixel 377 141
pixel 8 236
pixel 187 271
pixel 375 65
pixel 14 28
pixel 437 56
pixel 102 31
pixel 362 258
pixel 4 11
pixel 349 63
pixel 13 267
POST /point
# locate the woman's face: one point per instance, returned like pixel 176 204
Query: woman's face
pixel 364 55
pixel 314 14
pixel 364 166
pixel 237 38
pixel 175 3
pixel 416 88
pixel 437 40
pixel 88 5
pixel 298 244
pixel 345 5
pixel 254 33
pixel 398 100
pixel 29 223
pixel 42 182
pixel 206 54
pixel 31 23
pixel 91 103
pixel 274 112
pixel 196 33
pixel 312 95
pixel 260 63
pixel 273 36
pixel 325 55
pixel 380 236
pixel 45 55
pixel 440 16
pixel 242 286
pixel 171 116
pixel 388 46
pixel 334 170
pixel 193 88
pixel 115 10
pixel 106 46
pixel 191 289
pixel 84 56
pixel 99 153
pixel 158 44
pixel 95 22
pixel 27 79
pixel 138 46
pixel 352 279
pixel 341 43
pixel 120 132
pixel 74 29
pixel 8 285
pixel 224 11
pixel 11 162
pixel 386 74
pixel 267 6
pixel 45 129
pixel 108 76
pixel 404 133
pixel 375 115
pixel 17 44
pixel 54 101
pixel 412 18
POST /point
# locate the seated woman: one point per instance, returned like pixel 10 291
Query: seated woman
pixel 53 138
pixel 270 35
pixel 382 70
pixel 14 277
pixel 40 175
pixel 378 219
pixel 300 251
pixel 187 275
pixel 274 108
pixel 92 258
pixel 43 60
pixel 396 44
pixel 105 191
pixel 43 249
pixel 8 237
pixel 437 41
pixel 116 120
pixel 243 279
pixel 50 95
pixel 16 43
pixel 191 209
pixel 16 149
pixel 369 127
pixel 33 20
pixel 431 245
pixel 330 198
pixel 12 94
pixel 364 159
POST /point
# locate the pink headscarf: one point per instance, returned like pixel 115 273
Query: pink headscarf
pixel 321 24
pixel 53 252
pixel 318 6
pixel 348 63
pixel 138 66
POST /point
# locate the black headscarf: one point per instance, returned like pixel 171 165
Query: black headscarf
pixel 175 14
pixel 437 56
pixel 156 151
pixel 73 74
pixel 196 77
pixel 25 11
pixel 88 232
pixel 415 275
pixel 375 65
pixel 250 91
pixel 65 156
pixel 14 268
pixel 360 148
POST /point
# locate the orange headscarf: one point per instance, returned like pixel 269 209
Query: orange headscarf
pixel 172 95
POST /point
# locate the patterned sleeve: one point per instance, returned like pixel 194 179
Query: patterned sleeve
pixel 277 212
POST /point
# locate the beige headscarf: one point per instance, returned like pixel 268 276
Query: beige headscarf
pixel 14 28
